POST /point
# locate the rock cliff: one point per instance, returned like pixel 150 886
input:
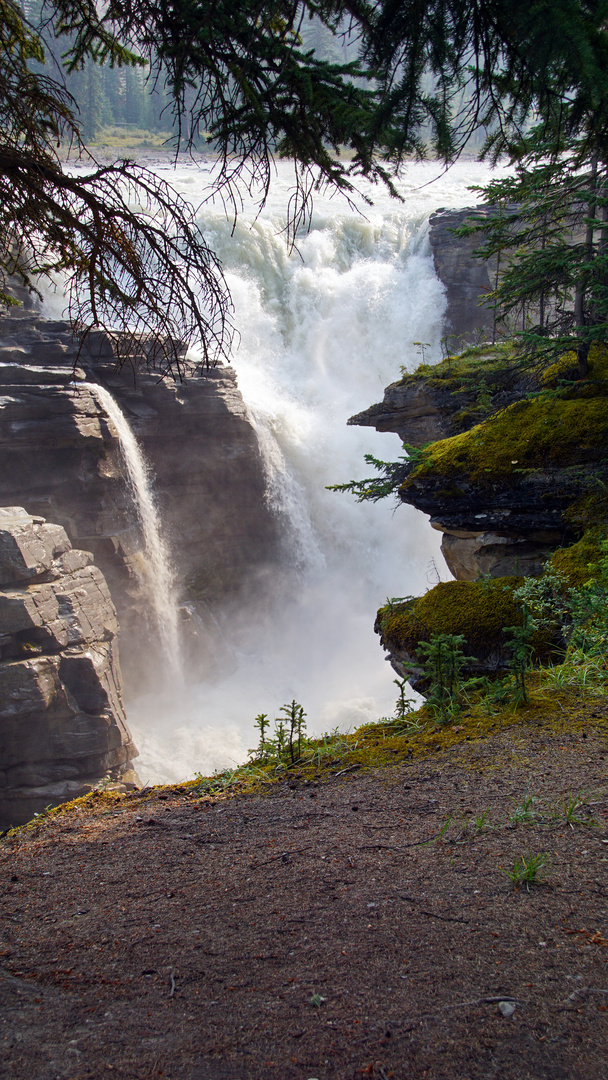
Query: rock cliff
pixel 493 522
pixel 62 721
pixel 467 280
pixel 62 460
pixel 512 467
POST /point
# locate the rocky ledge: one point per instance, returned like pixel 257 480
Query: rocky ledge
pixel 62 722
pixel 506 453
pixel 511 465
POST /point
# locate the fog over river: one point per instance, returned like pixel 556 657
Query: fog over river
pixel 322 331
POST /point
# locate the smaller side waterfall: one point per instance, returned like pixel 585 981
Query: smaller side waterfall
pixel 159 581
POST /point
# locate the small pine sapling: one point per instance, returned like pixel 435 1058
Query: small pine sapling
pixel 444 661
pixel 261 723
pixel 521 654
pixel 402 705
pixel 280 740
pixel 295 716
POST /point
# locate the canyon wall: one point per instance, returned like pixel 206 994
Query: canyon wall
pixel 61 460
pixel 62 720
pixel 467 280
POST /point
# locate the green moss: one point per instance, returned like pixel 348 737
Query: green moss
pixel 529 434
pixel 598 363
pixel 478 610
pixel 564 368
pixel 590 511
pixel 475 366
pixel 573 562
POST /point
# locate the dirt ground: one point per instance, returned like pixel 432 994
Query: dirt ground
pixel 365 926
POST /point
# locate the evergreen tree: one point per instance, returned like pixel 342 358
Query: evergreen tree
pixel 237 73
pixel 549 231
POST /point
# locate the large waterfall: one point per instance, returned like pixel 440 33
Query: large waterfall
pixel 322 331
pixel 156 572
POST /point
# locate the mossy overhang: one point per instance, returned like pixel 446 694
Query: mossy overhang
pixel 522 467
pixel 478 610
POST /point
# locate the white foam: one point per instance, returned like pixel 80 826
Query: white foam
pixel 322 331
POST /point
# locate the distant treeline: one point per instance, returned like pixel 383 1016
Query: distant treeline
pixel 131 97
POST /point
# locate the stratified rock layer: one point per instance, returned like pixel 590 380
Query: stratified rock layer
pixel 467 279
pixel 62 721
pixel 499 525
pixel 61 459
pixel 515 468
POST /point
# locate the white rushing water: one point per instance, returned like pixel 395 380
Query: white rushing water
pixel 322 331
pixel 157 575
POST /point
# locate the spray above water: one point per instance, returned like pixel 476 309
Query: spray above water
pixel 323 331
pixel 157 578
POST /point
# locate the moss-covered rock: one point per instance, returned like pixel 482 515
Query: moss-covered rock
pixel 573 562
pixel 480 611
pixel 557 427
pixel 521 471
pixel 530 434
pixel 477 609
pixel 440 400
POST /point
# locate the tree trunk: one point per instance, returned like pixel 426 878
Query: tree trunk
pixel 582 352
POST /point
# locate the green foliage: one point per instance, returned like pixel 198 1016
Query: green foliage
pixel 295 736
pixel 524 812
pixel 526 871
pixel 404 720
pixel 547 229
pixel 519 639
pixel 331 747
pixel 421 346
pixel 578 615
pixel 481 822
pixel 403 705
pixel 573 810
pixel 392 475
pixel 443 661
pixel 544 600
pixel 219 782
pixel 261 723
pixel 289 740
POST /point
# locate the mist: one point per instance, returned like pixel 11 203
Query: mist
pixel 322 331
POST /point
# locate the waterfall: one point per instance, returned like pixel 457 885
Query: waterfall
pixel 323 330
pixel 157 576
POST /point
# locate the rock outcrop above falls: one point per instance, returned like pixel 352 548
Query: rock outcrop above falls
pixel 62 460
pixel 62 721
pixel 494 522
pixel 514 474
pixel 467 280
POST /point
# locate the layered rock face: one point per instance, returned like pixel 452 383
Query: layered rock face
pixel 62 460
pixel 62 721
pixel 499 528
pixel 513 465
pixel 467 280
